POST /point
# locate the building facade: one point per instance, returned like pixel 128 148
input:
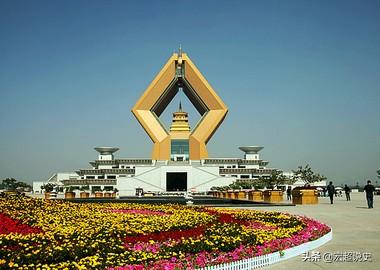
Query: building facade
pixel 153 176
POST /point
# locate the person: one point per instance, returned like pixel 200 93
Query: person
pixel 331 192
pixel 369 190
pixel 289 193
pixel 347 190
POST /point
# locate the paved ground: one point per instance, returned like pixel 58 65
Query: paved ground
pixel 355 228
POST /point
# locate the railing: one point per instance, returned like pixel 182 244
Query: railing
pixel 244 170
pixel 265 260
pixel 106 171
pixel 221 161
pixel 124 161
pixel 89 182
pixel 252 161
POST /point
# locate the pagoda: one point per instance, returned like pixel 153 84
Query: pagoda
pixel 180 122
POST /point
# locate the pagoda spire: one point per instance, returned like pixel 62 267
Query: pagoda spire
pixel 180 107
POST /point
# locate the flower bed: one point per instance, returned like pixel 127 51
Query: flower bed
pixel 59 235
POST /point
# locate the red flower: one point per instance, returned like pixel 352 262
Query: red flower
pixel 9 225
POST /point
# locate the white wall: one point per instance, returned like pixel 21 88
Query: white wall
pixel 37 186
pixel 153 179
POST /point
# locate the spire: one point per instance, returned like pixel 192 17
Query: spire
pixel 180 50
pixel 180 107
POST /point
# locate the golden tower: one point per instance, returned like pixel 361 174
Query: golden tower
pixel 180 122
pixel 179 73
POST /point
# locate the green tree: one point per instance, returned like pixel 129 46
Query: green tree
pixel 9 183
pixel 49 187
pixel 276 178
pixel 307 174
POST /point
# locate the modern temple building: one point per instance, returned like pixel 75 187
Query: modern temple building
pixel 154 176
pixel 180 160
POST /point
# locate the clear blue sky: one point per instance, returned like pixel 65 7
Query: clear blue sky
pixel 301 78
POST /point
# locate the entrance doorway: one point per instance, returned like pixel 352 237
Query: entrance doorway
pixel 176 181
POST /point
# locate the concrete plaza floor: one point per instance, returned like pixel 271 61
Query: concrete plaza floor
pixel 355 229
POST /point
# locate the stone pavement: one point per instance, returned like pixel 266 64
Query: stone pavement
pixel 355 229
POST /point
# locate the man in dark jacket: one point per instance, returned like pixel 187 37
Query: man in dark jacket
pixel 347 190
pixel 331 192
pixel 369 190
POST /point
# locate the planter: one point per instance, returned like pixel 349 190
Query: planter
pixel 255 195
pixel 50 195
pixel 241 195
pixel 84 195
pixel 98 194
pixel 230 194
pixel 107 195
pixel 69 195
pixel 305 196
pixel 272 196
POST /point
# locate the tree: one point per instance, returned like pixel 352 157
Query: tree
pixel 276 178
pixel 306 174
pixel 12 184
pixel 49 187
pixel 9 183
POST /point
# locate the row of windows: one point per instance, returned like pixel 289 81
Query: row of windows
pixel 122 167
pixel 232 167
pixel 99 177
pixel 242 176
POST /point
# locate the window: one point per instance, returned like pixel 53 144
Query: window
pixel 96 188
pixel 111 176
pixel 179 150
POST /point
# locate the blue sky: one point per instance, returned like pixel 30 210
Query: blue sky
pixel 301 78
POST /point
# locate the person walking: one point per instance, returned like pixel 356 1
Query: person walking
pixel 289 193
pixel 369 190
pixel 347 190
pixel 331 192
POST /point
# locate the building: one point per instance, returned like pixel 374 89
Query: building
pixel 177 174
pixel 180 160
pixel 56 179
